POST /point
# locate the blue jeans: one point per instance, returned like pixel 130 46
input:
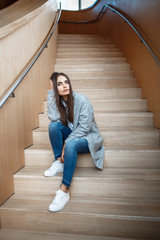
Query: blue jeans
pixel 58 133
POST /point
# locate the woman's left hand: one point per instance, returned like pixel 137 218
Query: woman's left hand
pixel 62 156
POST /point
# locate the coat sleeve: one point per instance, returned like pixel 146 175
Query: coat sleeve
pixel 53 113
pixel 84 121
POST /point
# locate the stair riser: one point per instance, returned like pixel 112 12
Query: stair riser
pixel 81 36
pixel 111 120
pixel 79 224
pixel 92 67
pixel 84 41
pixel 101 75
pixel 103 187
pixel 89 54
pixel 109 106
pixel 111 138
pixel 84 45
pixel 90 61
pixel 124 121
pixel 125 93
pixel 110 83
pixel 116 105
pixel 113 159
pixel 109 94
pixel 88 50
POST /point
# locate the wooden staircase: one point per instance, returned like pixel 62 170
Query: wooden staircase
pixel 123 200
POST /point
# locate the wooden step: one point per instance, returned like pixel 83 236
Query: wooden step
pixel 80 61
pixel 115 157
pixel 109 182
pixel 93 217
pixel 26 235
pixel 111 93
pixel 88 50
pixel 89 55
pixel 103 75
pixel 63 37
pixel 85 45
pixel 82 36
pixel 105 83
pixel 85 41
pixel 112 136
pixel 116 105
pixel 120 105
pixel 92 67
pixel 113 119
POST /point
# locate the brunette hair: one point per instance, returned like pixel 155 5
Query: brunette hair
pixel 65 114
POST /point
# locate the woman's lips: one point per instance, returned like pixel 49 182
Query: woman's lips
pixel 66 90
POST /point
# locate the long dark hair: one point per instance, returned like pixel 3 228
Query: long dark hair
pixel 65 114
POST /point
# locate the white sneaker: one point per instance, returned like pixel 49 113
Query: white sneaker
pixel 59 201
pixel 55 168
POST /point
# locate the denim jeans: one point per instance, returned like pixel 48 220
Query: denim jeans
pixel 58 134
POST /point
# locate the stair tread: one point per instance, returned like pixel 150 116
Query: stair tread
pixel 119 114
pixel 109 148
pixel 104 207
pixel 118 100
pixel 89 59
pixel 26 235
pixel 93 65
pixel 114 129
pixel 108 89
pixel 84 77
pixel 89 173
pixel 83 55
pixel 82 35
pixel 86 45
pixel 111 93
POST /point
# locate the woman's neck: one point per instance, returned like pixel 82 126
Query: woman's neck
pixel 65 98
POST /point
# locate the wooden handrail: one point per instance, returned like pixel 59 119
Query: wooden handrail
pixel 10 91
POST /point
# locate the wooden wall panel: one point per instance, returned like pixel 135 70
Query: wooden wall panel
pixel 19 115
pixel 146 15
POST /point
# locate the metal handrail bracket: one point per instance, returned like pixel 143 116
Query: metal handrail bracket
pixel 32 62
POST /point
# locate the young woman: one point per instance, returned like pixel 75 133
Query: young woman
pixel 72 130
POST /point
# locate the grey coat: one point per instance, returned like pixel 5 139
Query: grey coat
pixel 84 125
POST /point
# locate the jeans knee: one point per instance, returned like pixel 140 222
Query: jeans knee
pixel 71 145
pixel 53 126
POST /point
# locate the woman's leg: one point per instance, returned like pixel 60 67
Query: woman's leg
pixel 57 135
pixel 72 148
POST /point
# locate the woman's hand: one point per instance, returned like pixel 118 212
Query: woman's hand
pixel 62 155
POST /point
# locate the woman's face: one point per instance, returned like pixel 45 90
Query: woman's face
pixel 63 87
